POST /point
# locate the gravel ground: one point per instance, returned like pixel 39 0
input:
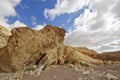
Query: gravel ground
pixel 105 72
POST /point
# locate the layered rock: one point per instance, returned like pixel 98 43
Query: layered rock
pixel 5 30
pixel 43 47
pixel 4 34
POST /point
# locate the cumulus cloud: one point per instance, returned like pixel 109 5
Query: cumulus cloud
pixel 7 8
pixel 17 24
pixel 39 27
pixel 33 19
pixel 85 20
pixel 65 6
pixel 98 29
pixel 116 9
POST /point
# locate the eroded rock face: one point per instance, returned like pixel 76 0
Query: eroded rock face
pixel 26 46
pixel 4 34
pixel 43 47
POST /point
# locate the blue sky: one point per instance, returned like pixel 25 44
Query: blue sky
pixel 31 13
pixel 32 8
pixel 89 23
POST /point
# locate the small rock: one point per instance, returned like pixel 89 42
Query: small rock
pixel 86 73
pixel 54 76
pixel 80 79
pixel 76 69
pixel 39 70
pixel 110 71
pixel 111 77
pixel 92 78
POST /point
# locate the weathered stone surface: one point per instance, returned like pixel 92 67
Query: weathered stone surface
pixel 4 30
pixel 76 56
pixel 26 46
pixel 43 47
pixel 4 34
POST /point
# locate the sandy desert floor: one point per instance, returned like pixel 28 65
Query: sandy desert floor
pixel 105 72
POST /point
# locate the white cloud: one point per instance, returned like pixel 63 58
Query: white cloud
pixel 24 6
pixel 43 0
pixel 33 19
pixel 99 24
pixel 65 6
pixel 7 8
pixel 83 22
pixel 97 29
pixel 17 24
pixel 38 27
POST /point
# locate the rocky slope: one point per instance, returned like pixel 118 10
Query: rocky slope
pixel 109 56
pixel 26 47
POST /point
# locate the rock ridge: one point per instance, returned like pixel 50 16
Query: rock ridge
pixel 44 47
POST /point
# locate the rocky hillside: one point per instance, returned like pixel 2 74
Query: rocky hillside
pixel 109 56
pixel 26 47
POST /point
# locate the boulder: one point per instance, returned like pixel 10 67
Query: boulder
pixel 26 46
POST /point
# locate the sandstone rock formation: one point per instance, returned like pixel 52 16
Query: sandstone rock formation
pixel 4 34
pixel 4 30
pixel 42 47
